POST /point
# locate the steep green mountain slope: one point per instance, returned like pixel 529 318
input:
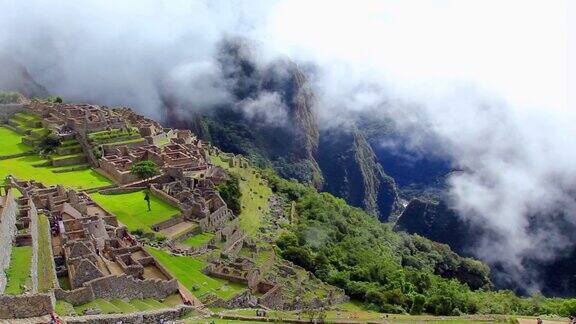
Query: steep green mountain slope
pixel 387 270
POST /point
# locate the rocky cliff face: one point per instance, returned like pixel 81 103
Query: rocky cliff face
pixel 15 77
pixel 352 172
pixel 435 221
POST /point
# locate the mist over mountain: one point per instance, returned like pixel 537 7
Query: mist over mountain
pixel 378 103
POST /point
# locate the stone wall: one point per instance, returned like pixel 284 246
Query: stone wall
pixel 25 306
pixel 273 299
pixel 167 223
pixel 8 110
pixel 121 287
pixel 121 190
pixel 7 232
pixel 165 197
pixel 33 228
pixel 78 296
pixel 156 316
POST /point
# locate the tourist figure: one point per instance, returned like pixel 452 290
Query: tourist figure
pixel 147 198
pixel 538 320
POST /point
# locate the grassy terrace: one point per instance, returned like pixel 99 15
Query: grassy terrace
pixel 18 272
pixel 254 198
pixel 188 270
pixel 132 211
pixel 45 259
pixel 198 240
pixel 11 142
pixel 23 168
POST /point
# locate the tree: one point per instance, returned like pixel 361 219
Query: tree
pixel 144 169
pixel 48 143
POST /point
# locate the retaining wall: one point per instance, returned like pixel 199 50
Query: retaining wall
pixel 118 287
pixel 33 228
pixel 157 316
pixel 23 306
pixel 165 197
pixel 7 232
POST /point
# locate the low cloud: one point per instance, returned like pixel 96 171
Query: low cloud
pixel 475 81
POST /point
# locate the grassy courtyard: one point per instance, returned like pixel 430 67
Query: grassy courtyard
pixel 254 199
pixel 188 270
pixel 24 168
pixel 18 272
pixel 11 142
pixel 132 211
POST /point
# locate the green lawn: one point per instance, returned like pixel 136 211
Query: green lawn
pixel 198 240
pixel 23 168
pixel 132 211
pixel 254 199
pixel 18 272
pixel 11 142
pixel 188 270
pixel 45 259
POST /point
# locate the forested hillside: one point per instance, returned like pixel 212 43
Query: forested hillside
pixel 387 270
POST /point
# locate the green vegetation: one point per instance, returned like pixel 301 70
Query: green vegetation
pixel 188 270
pixel 24 168
pixel 18 272
pixel 230 192
pixel 198 240
pixel 254 196
pixel 144 169
pixel 388 271
pixel 131 209
pixel 45 260
pixel 12 143
pixel 48 143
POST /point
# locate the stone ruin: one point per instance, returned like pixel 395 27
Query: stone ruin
pixel 184 151
pixel 85 118
pixel 92 251
pixel 196 196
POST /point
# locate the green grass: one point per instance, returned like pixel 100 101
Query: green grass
pixel 198 240
pixel 45 259
pixel 64 283
pixel 254 199
pixel 64 309
pixel 24 169
pixel 11 142
pixel 105 306
pixel 132 211
pixel 188 270
pixel 26 116
pixel 18 272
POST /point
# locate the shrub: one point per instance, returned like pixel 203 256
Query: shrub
pixel 144 169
